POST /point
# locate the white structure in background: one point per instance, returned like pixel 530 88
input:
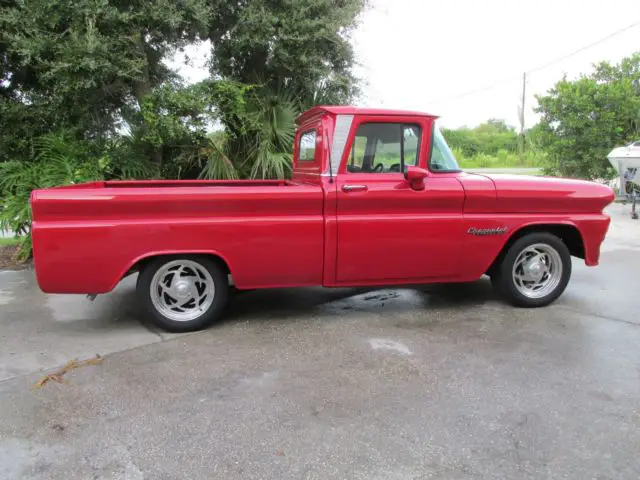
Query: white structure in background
pixel 626 161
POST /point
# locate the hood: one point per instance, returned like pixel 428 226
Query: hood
pixel 525 194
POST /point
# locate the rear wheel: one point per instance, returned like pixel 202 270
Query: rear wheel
pixel 183 294
pixel 534 271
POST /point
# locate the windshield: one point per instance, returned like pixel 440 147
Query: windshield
pixel 442 159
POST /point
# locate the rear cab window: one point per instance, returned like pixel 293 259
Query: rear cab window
pixel 308 153
pixel 307 146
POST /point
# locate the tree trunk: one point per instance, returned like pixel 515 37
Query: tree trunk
pixel 141 88
pixel 157 158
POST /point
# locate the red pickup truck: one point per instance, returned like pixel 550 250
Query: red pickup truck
pixel 376 198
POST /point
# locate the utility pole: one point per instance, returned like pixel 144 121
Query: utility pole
pixel 521 112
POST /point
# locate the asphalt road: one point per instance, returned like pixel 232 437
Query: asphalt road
pixel 441 382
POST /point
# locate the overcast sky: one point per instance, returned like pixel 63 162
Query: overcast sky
pixel 420 54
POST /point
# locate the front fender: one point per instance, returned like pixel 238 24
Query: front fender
pixel 487 236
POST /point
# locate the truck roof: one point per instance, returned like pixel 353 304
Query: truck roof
pixel 351 110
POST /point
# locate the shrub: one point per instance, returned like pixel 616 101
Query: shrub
pixel 58 161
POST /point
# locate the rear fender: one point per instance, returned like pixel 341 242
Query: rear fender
pixel 139 263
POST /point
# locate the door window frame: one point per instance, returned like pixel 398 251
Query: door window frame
pixel 370 144
pixel 424 141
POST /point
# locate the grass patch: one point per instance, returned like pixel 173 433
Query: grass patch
pixel 9 242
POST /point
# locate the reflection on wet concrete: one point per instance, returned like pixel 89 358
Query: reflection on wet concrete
pixel 388 300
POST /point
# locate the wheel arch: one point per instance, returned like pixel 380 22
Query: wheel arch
pixel 140 262
pixel 567 232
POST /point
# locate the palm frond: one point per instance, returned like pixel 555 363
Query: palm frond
pixel 268 148
pixel 282 127
pixel 15 213
pixel 217 163
pixel 56 162
pixel 269 163
pixel 122 160
pixel 25 248
pixel 12 175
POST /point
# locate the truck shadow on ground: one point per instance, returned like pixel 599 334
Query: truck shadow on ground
pixel 266 305
pixel 121 309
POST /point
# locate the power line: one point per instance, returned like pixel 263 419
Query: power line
pixel 478 90
pixel 540 67
pixel 586 47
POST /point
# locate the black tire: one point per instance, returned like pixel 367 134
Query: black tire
pixel 502 273
pixel 204 319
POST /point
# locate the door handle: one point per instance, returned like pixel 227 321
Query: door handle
pixel 354 188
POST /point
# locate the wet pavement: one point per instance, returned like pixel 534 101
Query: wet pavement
pixel 436 382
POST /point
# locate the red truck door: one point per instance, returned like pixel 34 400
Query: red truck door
pixel 388 231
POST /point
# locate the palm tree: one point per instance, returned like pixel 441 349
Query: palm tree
pixel 259 143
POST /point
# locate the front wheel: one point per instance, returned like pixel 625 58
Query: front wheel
pixel 183 294
pixel 534 271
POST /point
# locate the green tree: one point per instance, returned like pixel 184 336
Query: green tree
pixel 584 119
pixel 90 69
pixel 298 45
pixel 170 126
pixel 259 131
pixel 494 125
pixel 487 138
pixel 75 66
pixel 463 140
pixel 290 55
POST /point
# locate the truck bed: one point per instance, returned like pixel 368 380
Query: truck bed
pixel 86 237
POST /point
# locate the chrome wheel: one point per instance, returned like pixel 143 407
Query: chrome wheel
pixel 537 271
pixel 182 290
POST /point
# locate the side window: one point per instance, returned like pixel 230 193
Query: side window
pixel 384 148
pixel 358 150
pixel 307 147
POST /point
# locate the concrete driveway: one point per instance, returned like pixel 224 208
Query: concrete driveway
pixel 441 382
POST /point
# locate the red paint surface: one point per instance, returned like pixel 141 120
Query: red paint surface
pixel 307 231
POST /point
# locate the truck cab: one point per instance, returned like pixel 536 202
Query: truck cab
pixel 374 166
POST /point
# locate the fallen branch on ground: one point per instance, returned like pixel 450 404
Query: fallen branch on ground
pixel 71 365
